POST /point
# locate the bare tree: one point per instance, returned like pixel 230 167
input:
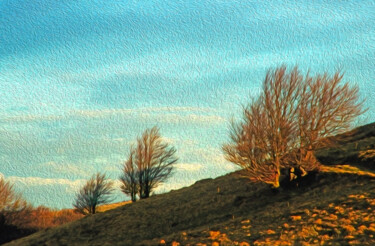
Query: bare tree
pixel 148 165
pixel 13 208
pixel 129 177
pixel 250 148
pixel 293 116
pixel 96 191
pixel 326 108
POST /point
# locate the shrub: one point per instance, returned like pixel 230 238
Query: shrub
pixel 14 210
pixel 96 191
pixel 293 116
pixel 148 165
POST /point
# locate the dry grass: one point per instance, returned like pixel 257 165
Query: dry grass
pixel 107 207
pixel 367 155
pixel 346 169
pixel 23 223
pixel 356 147
pixel 240 214
pixel 43 218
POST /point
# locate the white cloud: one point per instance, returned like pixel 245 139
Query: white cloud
pixel 190 167
pixel 62 169
pixel 37 181
pixel 166 187
pixel 212 158
pixel 30 118
pixel 187 119
pixel 72 185
pixel 168 140
pixel 161 114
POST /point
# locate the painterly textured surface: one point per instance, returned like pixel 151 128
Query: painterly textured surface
pixel 79 80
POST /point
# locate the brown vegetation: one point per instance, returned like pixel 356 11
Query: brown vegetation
pixel 43 217
pixel 24 222
pixel 18 218
pixel 13 207
pixel 293 117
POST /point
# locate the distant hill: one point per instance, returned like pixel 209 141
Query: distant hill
pixel 335 206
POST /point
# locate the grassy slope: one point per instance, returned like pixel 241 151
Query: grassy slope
pixel 41 218
pixel 199 209
pixel 349 147
pixel 336 208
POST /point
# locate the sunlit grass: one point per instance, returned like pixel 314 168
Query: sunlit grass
pixel 346 169
pixel 107 207
pixel 367 154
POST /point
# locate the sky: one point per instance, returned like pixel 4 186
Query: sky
pixel 80 80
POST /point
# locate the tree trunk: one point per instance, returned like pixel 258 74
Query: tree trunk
pixel 147 191
pixel 276 183
pixel 133 195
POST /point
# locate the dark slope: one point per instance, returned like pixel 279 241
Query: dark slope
pixel 198 209
pixel 334 208
pixel 349 146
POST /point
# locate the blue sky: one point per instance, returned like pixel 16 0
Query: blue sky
pixel 79 80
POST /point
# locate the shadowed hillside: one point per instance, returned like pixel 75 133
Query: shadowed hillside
pixel 243 211
pixel 336 206
pixel 42 218
pixel 356 147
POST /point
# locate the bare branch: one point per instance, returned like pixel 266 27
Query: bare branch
pixel 149 164
pixel 96 191
pixel 290 120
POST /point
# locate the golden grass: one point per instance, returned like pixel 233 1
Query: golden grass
pixel 351 220
pixel 367 154
pixel 107 207
pixel 346 169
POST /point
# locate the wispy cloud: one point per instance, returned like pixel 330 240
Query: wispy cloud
pixel 37 181
pixel 30 118
pixel 125 111
pixel 189 167
pixel 160 114
pixel 165 187
pixel 53 192
pixel 63 169
pixel 212 159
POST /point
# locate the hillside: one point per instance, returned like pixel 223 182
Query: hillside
pixel 39 218
pixel 356 147
pixel 336 206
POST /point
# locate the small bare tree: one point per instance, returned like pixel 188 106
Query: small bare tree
pixel 96 191
pixel 13 208
pixel 129 177
pixel 293 117
pixel 148 165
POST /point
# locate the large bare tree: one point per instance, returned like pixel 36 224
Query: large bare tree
pixel 293 116
pixel 149 164
pixel 96 191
